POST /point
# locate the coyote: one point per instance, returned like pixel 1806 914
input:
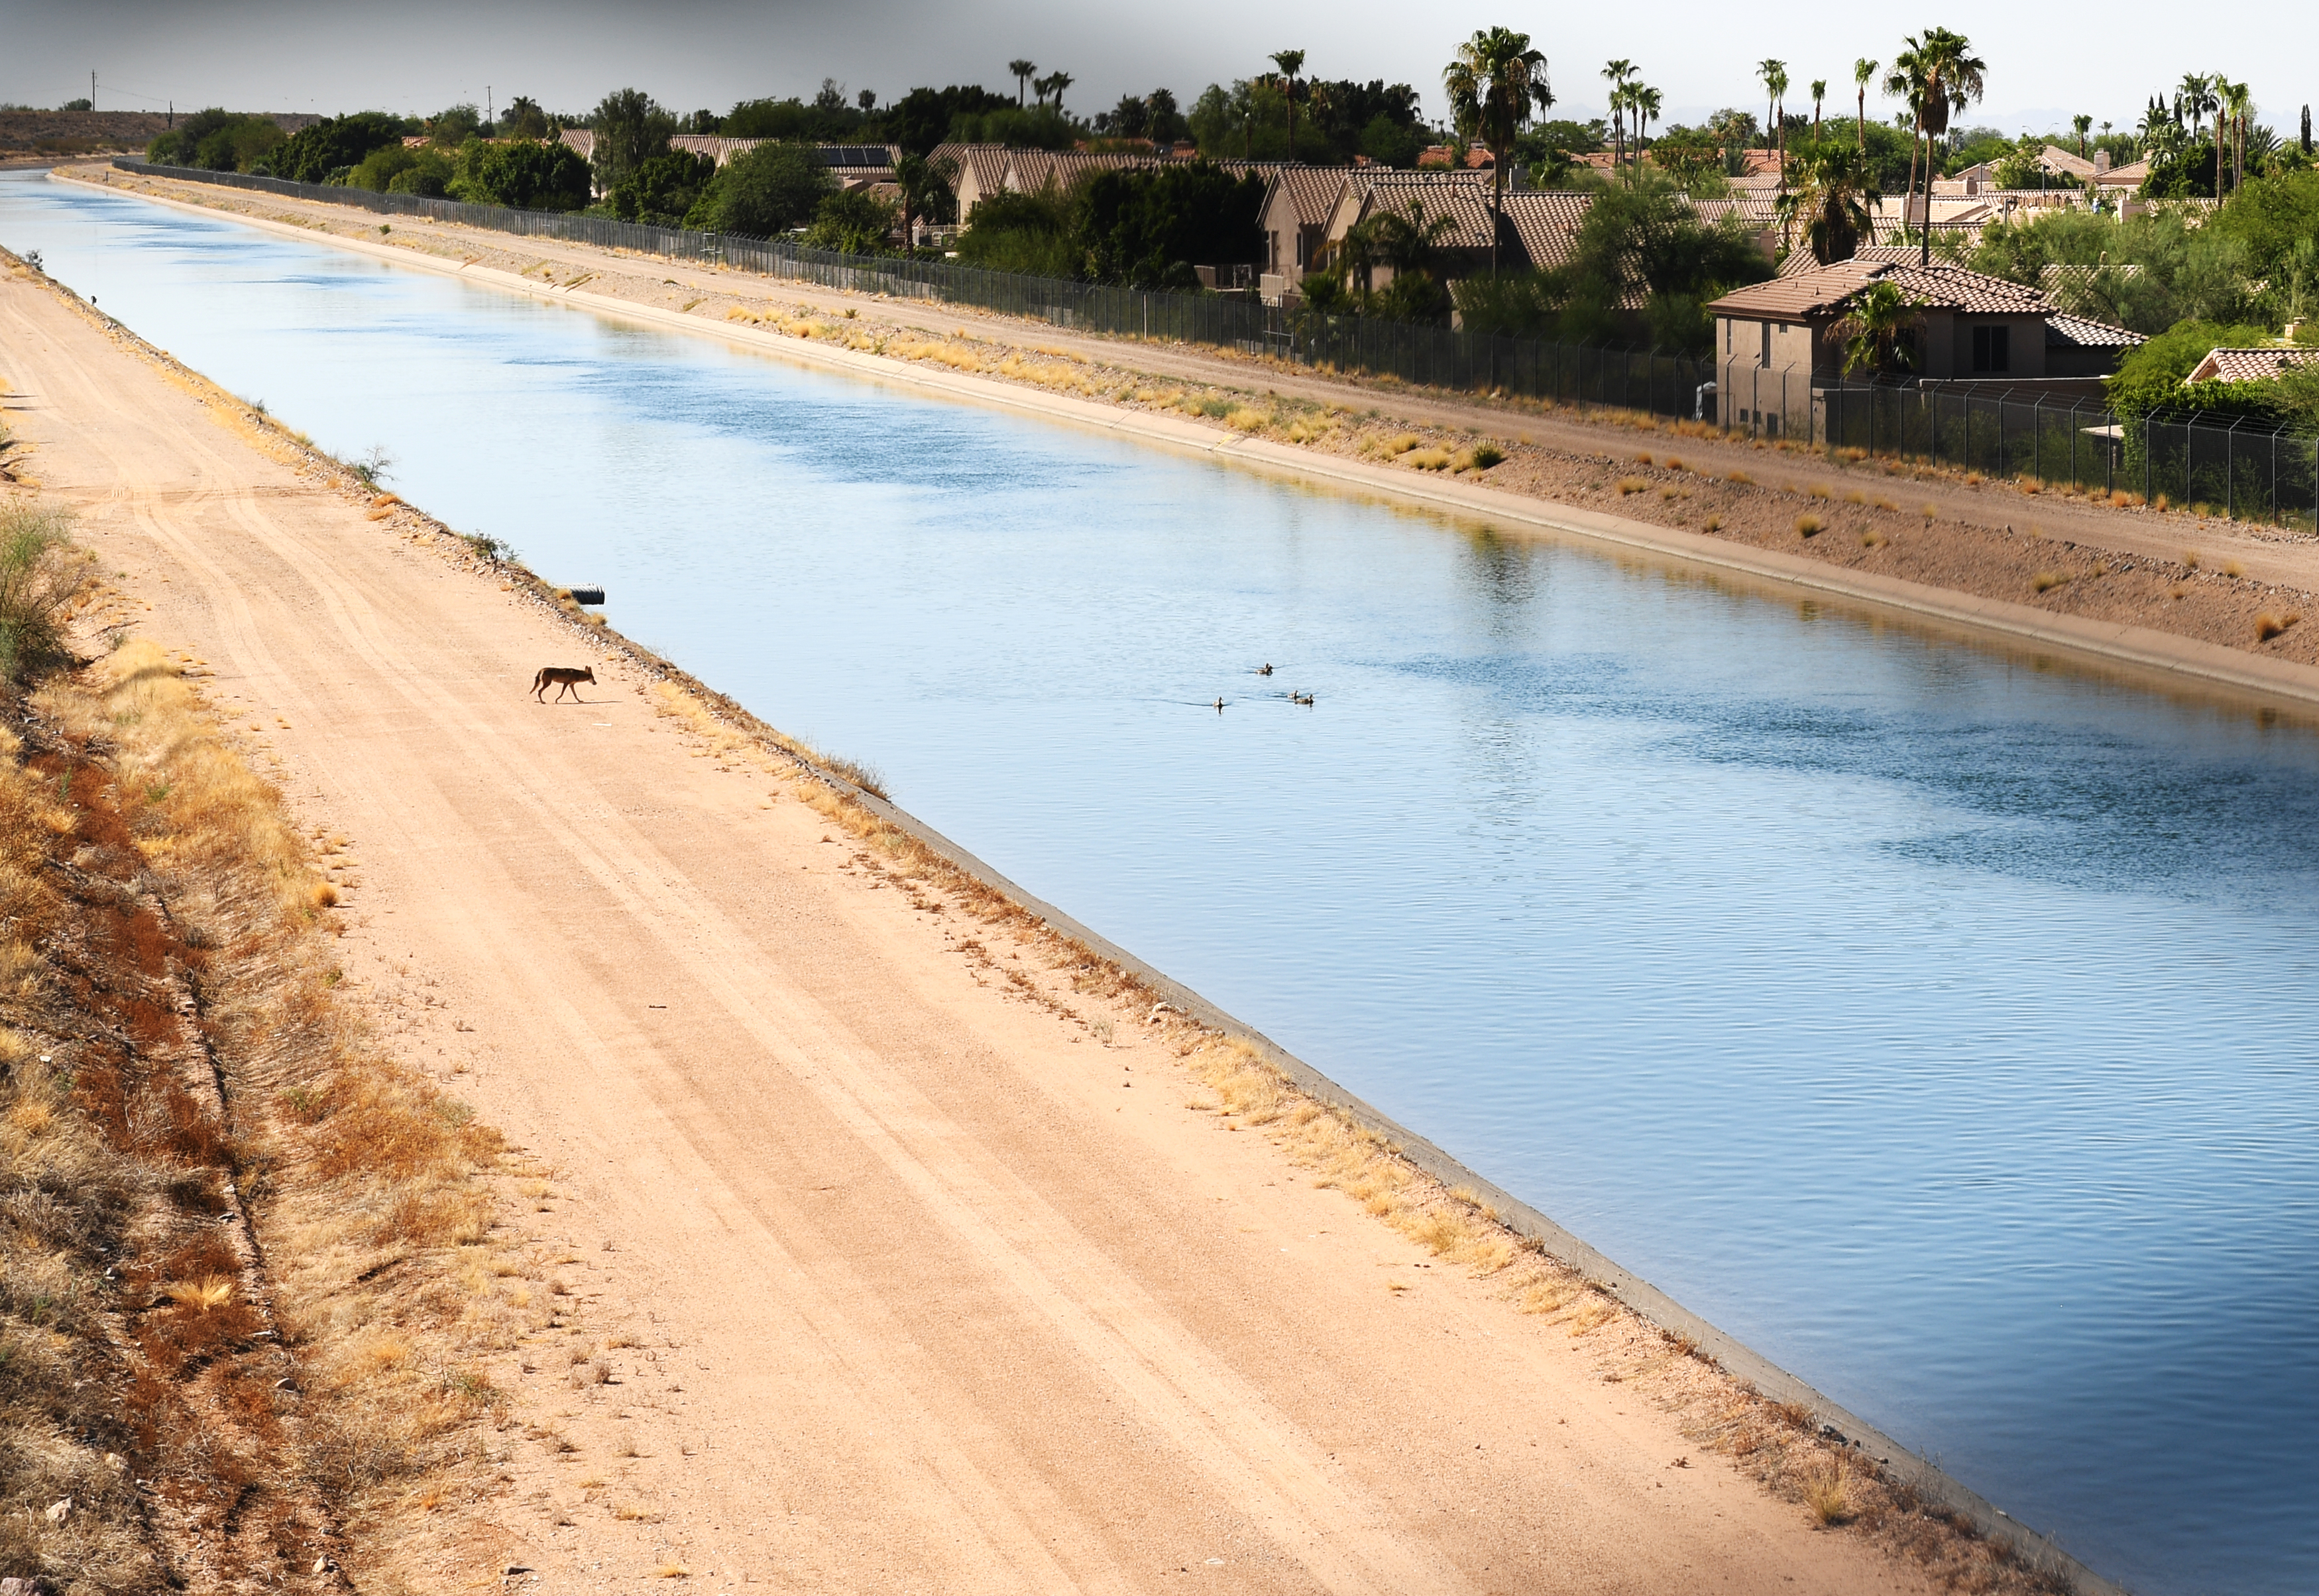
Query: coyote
pixel 550 675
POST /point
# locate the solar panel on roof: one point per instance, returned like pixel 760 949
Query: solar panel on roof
pixel 853 155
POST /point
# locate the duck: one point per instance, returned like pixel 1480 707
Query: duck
pixel 1264 670
pixel 1220 706
pixel 1304 698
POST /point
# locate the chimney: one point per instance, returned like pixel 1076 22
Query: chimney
pixel 2101 161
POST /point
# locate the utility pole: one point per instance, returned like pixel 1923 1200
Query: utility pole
pixel 488 118
pixel 91 88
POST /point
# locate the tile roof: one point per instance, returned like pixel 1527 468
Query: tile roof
pixel 2126 176
pixel 1310 193
pixel 2250 365
pixel 2064 331
pixel 1545 224
pixel 1938 285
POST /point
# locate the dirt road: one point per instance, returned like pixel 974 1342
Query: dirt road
pixel 910 1285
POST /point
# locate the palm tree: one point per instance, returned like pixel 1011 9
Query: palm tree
pixel 2084 124
pixel 2196 95
pixel 1645 102
pixel 1290 62
pixel 1953 77
pixel 1022 71
pixel 1834 200
pixel 1819 93
pixel 926 183
pixel 2237 105
pixel 1496 82
pixel 1905 83
pixel 1862 71
pixel 1774 75
pixel 1619 73
pixel 1871 329
pixel 1054 83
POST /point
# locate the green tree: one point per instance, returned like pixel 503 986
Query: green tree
pixel 1022 71
pixel 523 174
pixel 1149 229
pixel 923 118
pixel 2081 124
pixel 218 140
pixel 1495 82
pixel 524 120
pixel 772 189
pixel 454 127
pixel 327 149
pixel 1876 330
pixel 662 189
pixel 631 129
pixel 1029 233
pixel 854 222
pixel 1819 93
pixel 1864 73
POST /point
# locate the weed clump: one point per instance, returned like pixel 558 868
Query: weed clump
pixel 1809 525
pixel 1486 455
pixel 42 576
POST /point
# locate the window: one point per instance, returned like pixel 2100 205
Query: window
pixel 1301 262
pixel 1766 358
pixel 1992 348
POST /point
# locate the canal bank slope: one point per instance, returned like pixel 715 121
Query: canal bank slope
pixel 901 1247
pixel 2177 601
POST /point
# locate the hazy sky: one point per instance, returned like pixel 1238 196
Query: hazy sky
pixel 2045 61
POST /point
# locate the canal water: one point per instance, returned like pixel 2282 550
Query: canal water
pixel 1941 1025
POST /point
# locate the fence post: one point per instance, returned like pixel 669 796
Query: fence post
pixel 2145 457
pixel 2231 469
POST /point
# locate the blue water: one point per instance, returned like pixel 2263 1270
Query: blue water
pixel 1941 1025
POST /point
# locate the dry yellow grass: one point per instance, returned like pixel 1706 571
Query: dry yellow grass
pixel 1809 525
pixel 2046 581
pixel 346 1165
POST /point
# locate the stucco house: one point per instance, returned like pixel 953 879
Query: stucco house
pixel 1776 342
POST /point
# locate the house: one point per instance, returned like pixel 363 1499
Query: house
pixel 981 171
pixel 2251 366
pixel 1775 342
pixel 1298 201
pixel 1534 229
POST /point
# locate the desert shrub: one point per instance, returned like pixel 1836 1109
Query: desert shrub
pixel 41 571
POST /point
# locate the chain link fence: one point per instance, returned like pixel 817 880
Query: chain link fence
pixel 2242 470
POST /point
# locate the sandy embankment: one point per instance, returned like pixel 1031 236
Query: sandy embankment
pixel 915 1261
pixel 2175 599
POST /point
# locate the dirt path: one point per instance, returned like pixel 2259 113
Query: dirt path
pixel 2267 555
pixel 908 1284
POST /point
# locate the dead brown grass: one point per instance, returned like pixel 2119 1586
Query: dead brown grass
pixel 167 955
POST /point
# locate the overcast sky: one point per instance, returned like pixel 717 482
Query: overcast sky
pixel 419 56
